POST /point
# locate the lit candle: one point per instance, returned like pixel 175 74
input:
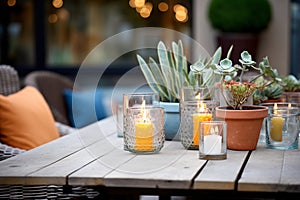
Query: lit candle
pixel 212 142
pixel 276 126
pixel 202 116
pixel 144 131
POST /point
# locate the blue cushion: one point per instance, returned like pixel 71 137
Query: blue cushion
pixel 82 110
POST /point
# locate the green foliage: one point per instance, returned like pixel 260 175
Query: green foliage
pixel 240 15
pixel 171 73
pixel 238 88
pixel 291 84
pixel 270 92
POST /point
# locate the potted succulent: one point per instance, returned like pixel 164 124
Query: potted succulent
pixel 239 23
pixel 270 94
pixel 291 89
pixel 243 122
pixel 171 73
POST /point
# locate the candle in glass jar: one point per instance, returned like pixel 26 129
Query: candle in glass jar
pixel 202 116
pixel 144 131
pixel 276 126
pixel 212 144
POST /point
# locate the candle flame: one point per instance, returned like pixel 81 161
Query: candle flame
pixel 289 106
pixel 143 111
pixel 201 107
pixel 198 97
pixel 275 108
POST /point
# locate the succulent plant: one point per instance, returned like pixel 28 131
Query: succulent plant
pixel 234 78
pixel 291 84
pixel 273 91
pixel 172 72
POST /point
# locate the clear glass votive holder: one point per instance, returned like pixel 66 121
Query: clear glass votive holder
pixel 119 117
pixel 277 105
pixel 191 114
pixel 282 128
pixel 137 100
pixel 145 129
pixel 213 140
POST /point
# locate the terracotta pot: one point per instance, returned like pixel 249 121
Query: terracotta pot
pixel 243 126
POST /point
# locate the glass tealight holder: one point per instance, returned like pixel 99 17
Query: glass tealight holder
pixel 282 128
pixel 145 129
pixel 213 140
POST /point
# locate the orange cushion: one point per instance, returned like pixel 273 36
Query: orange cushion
pixel 26 120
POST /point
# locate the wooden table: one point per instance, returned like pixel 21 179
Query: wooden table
pixel 94 156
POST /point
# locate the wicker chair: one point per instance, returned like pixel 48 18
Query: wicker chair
pixel 52 85
pixel 9 83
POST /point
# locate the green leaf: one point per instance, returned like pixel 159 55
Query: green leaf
pixel 149 77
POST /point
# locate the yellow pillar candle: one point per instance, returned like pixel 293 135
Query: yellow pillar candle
pixel 197 118
pixel 144 136
pixel 276 128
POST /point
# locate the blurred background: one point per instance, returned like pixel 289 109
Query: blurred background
pixel 57 35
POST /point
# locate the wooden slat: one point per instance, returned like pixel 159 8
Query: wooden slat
pixel 57 172
pixel 221 174
pixel 263 171
pixel 15 169
pixel 290 177
pixel 94 173
pixel 173 167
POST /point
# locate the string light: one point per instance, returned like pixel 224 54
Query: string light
pixel 57 3
pixel 11 2
pixel 52 18
pixel 163 6
pixel 145 8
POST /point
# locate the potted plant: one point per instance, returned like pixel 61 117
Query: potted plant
pixel 171 73
pixel 239 23
pixel 243 122
pixel 291 89
pixel 270 94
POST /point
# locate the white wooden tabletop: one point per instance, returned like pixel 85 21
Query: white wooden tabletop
pixel 94 156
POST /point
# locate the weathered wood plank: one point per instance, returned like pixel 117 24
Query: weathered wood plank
pixel 57 172
pixel 263 171
pixel 290 177
pixel 15 169
pixel 221 174
pixel 94 173
pixel 173 167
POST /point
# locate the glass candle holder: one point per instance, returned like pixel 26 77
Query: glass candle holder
pixel 133 100
pixel 277 105
pixel 119 117
pixel 191 114
pixel 213 143
pixel 282 128
pixel 145 129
